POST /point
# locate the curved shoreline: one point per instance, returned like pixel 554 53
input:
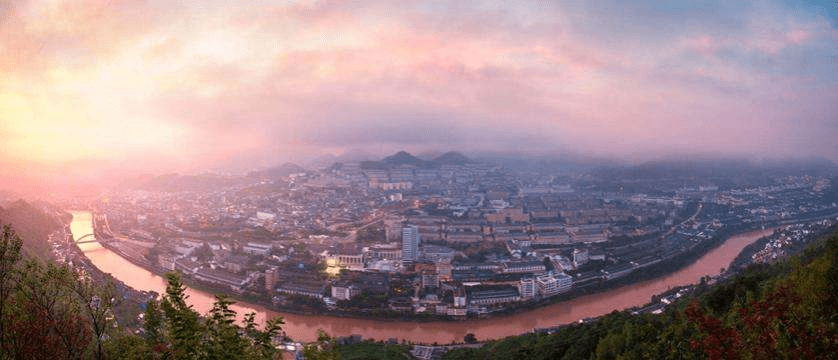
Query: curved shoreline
pixel 636 277
pixel 303 326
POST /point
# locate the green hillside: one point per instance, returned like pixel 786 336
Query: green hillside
pixel 780 311
pixel 785 310
pixel 33 226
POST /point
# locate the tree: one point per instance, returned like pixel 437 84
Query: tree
pixel 182 322
pixel 10 246
pixel 203 253
pixel 153 323
pixel 470 338
pixel 95 301
pixel 263 340
pixel 125 345
pixel 48 321
pixel 323 349
pixel 222 340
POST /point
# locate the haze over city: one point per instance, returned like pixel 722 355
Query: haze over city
pixel 91 90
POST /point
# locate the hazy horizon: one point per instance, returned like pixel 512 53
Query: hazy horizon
pixel 98 90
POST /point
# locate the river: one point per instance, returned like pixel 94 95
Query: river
pixel 304 327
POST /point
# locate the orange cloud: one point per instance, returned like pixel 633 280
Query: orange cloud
pixel 198 85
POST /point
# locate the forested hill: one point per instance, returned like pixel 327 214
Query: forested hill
pixel 32 224
pixel 785 310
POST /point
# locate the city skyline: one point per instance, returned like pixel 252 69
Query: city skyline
pixel 95 89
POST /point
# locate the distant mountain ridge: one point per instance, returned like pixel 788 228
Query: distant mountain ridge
pixel 452 158
pixel 405 158
pixel 278 171
pixel 727 173
pixel 8 195
pixel 177 182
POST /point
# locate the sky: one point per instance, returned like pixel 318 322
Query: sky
pixel 94 88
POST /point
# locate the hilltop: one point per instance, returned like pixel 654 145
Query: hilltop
pixel 277 172
pixel 32 224
pixel 405 158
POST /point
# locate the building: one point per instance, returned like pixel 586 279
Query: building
pixel 271 278
pixel 373 282
pixel 256 248
pixel 552 284
pixel 561 263
pixel 435 253
pixel 389 251
pixel 523 267
pixel 401 303
pixel 221 277
pixel 551 237
pixel 580 257
pixel 527 288
pixel 352 261
pixel 616 271
pixel 589 236
pixel 430 279
pixel 314 289
pixel 410 244
pixel 344 290
pixel 265 216
pixel 236 263
pixel 186 266
pixel 391 185
pixel 460 298
pixel 444 270
pixel 492 295
pixel 166 262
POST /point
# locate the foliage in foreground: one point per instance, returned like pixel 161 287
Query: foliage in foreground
pixel 328 348
pixel 50 311
pixel 788 310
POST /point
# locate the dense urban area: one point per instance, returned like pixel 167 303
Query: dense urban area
pixel 445 238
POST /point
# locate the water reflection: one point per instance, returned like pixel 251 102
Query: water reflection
pixel 304 327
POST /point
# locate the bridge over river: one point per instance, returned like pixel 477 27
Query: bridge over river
pixel 91 238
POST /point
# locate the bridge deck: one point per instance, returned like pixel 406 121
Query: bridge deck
pixel 89 238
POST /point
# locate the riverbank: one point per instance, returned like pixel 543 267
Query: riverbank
pixel 128 302
pixel 305 327
pixel 309 307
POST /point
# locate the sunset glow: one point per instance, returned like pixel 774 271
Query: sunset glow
pixel 153 86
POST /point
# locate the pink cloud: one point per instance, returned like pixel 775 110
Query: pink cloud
pixel 234 81
pixel 704 44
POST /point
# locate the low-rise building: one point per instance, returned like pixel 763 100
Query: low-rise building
pixel 313 289
pixel 391 251
pixel 271 278
pixel 616 271
pixel 492 295
pixel 236 263
pixel 523 267
pixel 221 277
pixel 553 283
pixel 186 266
pixel 580 257
pixel 444 270
pixel 344 290
pixel 430 279
pixel 253 248
pixel 527 287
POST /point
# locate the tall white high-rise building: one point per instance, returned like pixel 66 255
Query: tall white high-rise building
pixel 410 244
